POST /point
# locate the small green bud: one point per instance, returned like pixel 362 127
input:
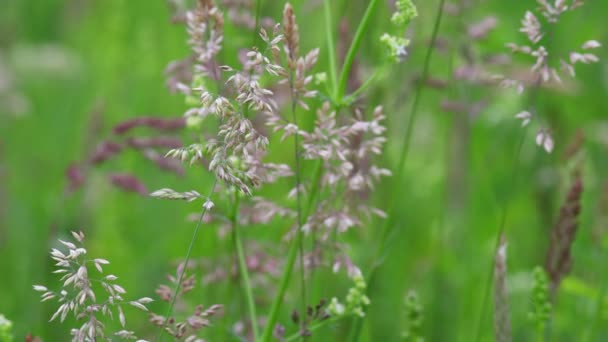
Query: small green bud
pixel 395 47
pixel 320 78
pixel 194 122
pixel 336 308
pixel 406 11
pixel 394 42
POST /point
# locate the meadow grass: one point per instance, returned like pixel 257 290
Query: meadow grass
pixel 464 173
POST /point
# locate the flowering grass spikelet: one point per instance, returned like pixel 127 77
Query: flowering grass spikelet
pixel 395 43
pixel 80 294
pixel 355 302
pixel 540 310
pixel 406 11
pixel 414 313
pixel 559 256
pixel 546 66
pixel 502 319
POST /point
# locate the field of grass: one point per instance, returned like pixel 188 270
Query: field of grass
pixel 70 71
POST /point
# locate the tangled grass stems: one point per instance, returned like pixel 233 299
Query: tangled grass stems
pixel 504 213
pixel 410 124
pixel 236 234
pixel 515 174
pixel 336 101
pixel 333 75
pixel 458 90
pixel 186 260
pixel 499 233
pixel 292 41
pixel 386 229
pixel 296 249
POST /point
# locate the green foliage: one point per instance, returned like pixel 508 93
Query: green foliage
pixel 450 194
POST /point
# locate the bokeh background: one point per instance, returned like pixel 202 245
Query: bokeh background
pixel 70 70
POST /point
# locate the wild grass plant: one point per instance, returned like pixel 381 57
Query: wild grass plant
pixel 340 171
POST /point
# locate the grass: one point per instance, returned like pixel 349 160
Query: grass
pixel 446 229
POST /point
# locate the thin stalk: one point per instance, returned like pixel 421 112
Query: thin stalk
pixel 297 243
pixel 599 310
pixel 188 254
pixel 331 48
pixel 315 326
pixel 314 187
pixel 386 229
pixel 452 133
pixel 414 109
pixel 278 300
pixel 309 205
pixel 228 291
pixel 258 13
pixel 299 233
pixel 243 267
pixel 501 229
pixel 409 129
pixel 291 256
pixel 297 246
pixel 352 50
pixel 540 333
pixel 353 96
pixel 533 98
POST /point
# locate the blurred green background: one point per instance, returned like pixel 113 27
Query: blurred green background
pixel 63 61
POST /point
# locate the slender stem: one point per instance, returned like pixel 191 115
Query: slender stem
pixel 291 256
pixel 599 310
pixel 501 229
pixel 409 129
pixel 352 50
pixel 353 97
pixel 298 244
pixel 258 13
pixel 386 229
pixel 533 98
pixel 309 205
pixel 243 267
pixel 408 133
pixel 314 189
pixel 331 49
pixel 278 300
pixel 299 233
pixel 315 326
pixel 540 332
pixel 188 254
